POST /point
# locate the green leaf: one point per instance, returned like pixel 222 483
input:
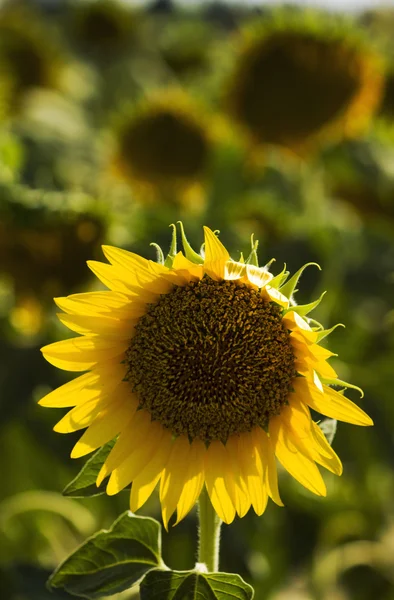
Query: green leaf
pixel 305 309
pixel 188 250
pixel 345 384
pixel 173 249
pixel 278 280
pixel 325 332
pixel 289 288
pixel 329 428
pixel 111 560
pixel 193 585
pixel 84 484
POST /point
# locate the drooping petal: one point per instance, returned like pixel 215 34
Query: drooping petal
pixel 216 464
pixel 234 478
pixel 194 480
pixel 330 403
pixel 265 453
pixel 174 476
pixel 253 472
pixel 144 484
pixel 216 255
pixel 303 469
pixel 258 276
pixel 103 429
pixel 183 264
pixel 133 434
pixel 130 468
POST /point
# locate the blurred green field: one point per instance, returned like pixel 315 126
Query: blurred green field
pixel 116 121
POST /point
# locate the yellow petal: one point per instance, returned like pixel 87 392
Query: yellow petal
pixel 113 278
pixel 258 276
pixel 104 428
pixel 265 452
pixel 216 464
pixel 234 479
pixel 234 270
pixel 130 468
pixel 252 470
pixel 183 264
pixel 194 480
pixel 276 296
pixel 82 415
pixel 106 326
pixel 93 303
pixel 216 255
pixel 144 484
pixel 133 434
pixel 330 403
pixel 79 390
pixel 299 466
pixel 296 419
pixel 83 353
pixel 174 477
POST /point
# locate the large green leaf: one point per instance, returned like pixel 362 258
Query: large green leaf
pixel 193 585
pixel 111 561
pixel 84 484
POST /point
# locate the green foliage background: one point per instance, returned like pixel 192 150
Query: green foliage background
pixel 63 192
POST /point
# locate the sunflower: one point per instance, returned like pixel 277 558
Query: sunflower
pixel 298 78
pixel 30 52
pixel 204 370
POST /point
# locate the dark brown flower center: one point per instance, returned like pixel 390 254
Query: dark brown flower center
pixel 211 359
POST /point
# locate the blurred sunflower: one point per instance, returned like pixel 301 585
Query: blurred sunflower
pixel 102 26
pixel 29 53
pixel 300 77
pixel 163 147
pixel 206 370
pixel 41 253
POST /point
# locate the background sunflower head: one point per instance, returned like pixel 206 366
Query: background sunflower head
pixel 297 77
pixel 44 246
pixel 165 141
pixel 102 26
pixel 30 52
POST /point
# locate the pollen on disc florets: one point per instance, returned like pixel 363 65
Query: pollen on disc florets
pixel 211 359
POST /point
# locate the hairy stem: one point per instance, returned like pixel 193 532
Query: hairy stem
pixel 209 533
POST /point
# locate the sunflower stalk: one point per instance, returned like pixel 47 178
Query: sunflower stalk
pixel 209 534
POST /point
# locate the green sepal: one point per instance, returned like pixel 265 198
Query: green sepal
pixel 279 279
pixel 84 484
pixel 194 585
pixel 253 259
pixel 112 560
pixel 325 332
pixel 304 309
pixel 173 249
pixel 329 429
pixel 345 384
pixel 289 288
pixel 188 250
pixel 159 253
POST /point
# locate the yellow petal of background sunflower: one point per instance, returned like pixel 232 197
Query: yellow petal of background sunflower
pixel 144 484
pixel 299 466
pixel 215 465
pixel 216 255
